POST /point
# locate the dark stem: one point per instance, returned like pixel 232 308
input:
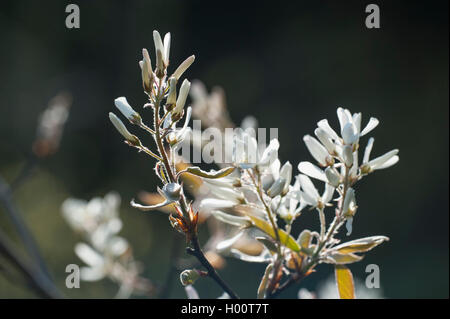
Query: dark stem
pixel 16 218
pixel 197 252
pixel 36 278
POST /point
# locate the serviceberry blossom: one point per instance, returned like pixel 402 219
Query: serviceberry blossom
pixel 254 198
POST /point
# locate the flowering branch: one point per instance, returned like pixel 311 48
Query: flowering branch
pixel 256 190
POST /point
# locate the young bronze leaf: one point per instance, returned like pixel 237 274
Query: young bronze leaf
pixel 211 174
pixel 344 281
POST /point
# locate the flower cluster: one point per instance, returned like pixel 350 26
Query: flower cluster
pixel 256 196
pixel 105 253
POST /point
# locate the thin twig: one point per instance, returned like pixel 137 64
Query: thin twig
pixel 37 279
pixel 24 233
pixel 197 252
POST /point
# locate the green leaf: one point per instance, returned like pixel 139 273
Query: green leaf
pixel 195 170
pixel 344 281
pixel 285 239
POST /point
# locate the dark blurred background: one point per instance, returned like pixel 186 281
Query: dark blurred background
pixel 288 63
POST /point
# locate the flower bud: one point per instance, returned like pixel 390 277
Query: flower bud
pixel 125 108
pixel 349 134
pixel 183 67
pixel 147 73
pixel 172 191
pixel 130 138
pixel 333 177
pixel 172 97
pixel 189 276
pixel 181 100
pixel 349 207
pixel 166 49
pixel 347 154
pixel 276 187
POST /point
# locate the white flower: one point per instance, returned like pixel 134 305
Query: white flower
pixel 381 162
pixel 318 151
pixel 310 194
pixel 351 125
pixel 312 170
pixel 162 51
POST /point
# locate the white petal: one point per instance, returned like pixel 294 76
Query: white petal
pixel 312 170
pixel 212 203
pixel 373 122
pixel 368 150
pixel 286 174
pixel 182 68
pixel 270 154
pixel 324 138
pixel 349 226
pixel 158 42
pixel 230 219
pixel 118 124
pixel 225 244
pixel 167 48
pixel 328 193
pixel 392 161
pixel 349 134
pixel 343 117
pixel 88 255
pixel 191 292
pixel 356 119
pixel 181 100
pixel 325 126
pixel 125 108
pixel 308 187
pixel 317 150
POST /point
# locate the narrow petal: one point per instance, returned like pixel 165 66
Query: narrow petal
pixel 368 150
pixel 327 194
pixel 373 122
pixel 317 150
pixel 312 170
pixel 379 161
pixel 392 161
pixel 323 124
pixel 308 186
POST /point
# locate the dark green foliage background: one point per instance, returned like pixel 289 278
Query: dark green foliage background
pixel 288 63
